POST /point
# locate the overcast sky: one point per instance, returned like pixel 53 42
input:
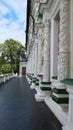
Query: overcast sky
pixel 13 20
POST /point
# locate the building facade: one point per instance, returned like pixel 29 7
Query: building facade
pixel 49 42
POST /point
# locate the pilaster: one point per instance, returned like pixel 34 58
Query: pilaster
pixel 45 86
pixel 71 36
pixel 39 49
pixel 46 66
pixel 35 57
pixel 63 58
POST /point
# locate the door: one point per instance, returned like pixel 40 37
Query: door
pixel 23 71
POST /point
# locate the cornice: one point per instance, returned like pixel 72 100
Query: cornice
pixel 45 5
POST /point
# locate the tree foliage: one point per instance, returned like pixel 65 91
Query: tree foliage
pixel 10 53
pixel 5 68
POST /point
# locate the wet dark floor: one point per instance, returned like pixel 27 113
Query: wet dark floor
pixel 20 111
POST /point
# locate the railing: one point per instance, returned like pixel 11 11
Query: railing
pixel 5 77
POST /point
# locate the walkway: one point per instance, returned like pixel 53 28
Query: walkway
pixel 20 111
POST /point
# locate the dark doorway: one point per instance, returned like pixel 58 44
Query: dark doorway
pixel 23 71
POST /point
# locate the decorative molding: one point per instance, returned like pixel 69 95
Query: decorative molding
pixel 43 1
pixel 63 58
pixel 56 9
pixel 64 22
pixel 45 5
pixel 63 64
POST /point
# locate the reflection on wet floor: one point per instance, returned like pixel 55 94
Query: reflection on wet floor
pixel 20 111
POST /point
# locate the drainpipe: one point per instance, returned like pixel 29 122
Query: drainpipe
pixel 33 21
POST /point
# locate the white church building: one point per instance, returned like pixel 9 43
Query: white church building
pixel 49 43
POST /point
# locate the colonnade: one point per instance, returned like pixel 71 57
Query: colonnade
pixel 62 61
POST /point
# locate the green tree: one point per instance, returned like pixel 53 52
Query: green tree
pixel 11 51
pixel 5 68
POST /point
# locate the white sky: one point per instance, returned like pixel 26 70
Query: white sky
pixel 13 20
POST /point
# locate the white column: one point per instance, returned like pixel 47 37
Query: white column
pixel 46 66
pixel 32 61
pixel 36 57
pixel 40 96
pixel 39 49
pixel 63 59
pixel 71 36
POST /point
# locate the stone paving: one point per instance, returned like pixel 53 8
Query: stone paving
pixel 20 111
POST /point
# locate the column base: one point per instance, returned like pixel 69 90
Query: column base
pixel 40 96
pixel 43 91
pixel 60 95
pixel 32 86
pixel 57 110
pixel 29 80
pixel 37 88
